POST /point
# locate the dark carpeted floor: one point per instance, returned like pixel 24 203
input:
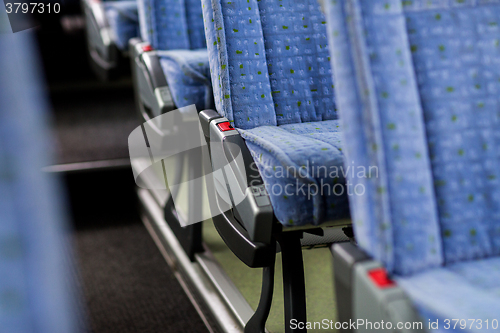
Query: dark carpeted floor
pixel 93 124
pixel 127 285
pixel 92 119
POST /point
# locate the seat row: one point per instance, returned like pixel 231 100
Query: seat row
pixel 384 111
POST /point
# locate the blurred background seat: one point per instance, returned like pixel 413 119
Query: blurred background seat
pixel 273 88
pixel 37 284
pixel 109 26
pixel 123 20
pixel 123 282
pixel 169 60
pixel 417 87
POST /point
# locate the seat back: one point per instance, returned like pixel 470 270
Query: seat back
pixel 418 97
pixel 34 281
pixel 269 61
pixel 172 24
pixel 123 20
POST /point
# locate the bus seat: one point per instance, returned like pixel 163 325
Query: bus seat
pixel 123 20
pixel 37 282
pixel 272 81
pixel 188 76
pixel 172 25
pixel 109 26
pixel 275 109
pixel 418 85
pixel 170 60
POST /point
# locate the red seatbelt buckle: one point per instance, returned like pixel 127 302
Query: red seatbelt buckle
pixel 380 278
pixel 147 48
pixel 225 126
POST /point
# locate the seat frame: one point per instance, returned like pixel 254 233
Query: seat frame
pixel 252 232
pixel 153 98
pixel 106 60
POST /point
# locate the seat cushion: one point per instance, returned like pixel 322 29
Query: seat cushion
pixel 466 290
pixel 301 165
pixel 124 21
pixel 188 76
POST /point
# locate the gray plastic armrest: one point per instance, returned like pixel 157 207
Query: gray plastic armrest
pixel 360 298
pixel 150 84
pixel 372 303
pixel 99 34
pixel 238 181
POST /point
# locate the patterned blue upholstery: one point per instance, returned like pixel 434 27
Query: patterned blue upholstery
pixel 396 219
pixel 172 24
pixel 195 28
pixel 452 94
pixel 297 163
pixel 462 121
pixel 124 21
pixel 188 76
pixel 270 58
pixel 417 89
pixel 465 290
pixel 272 78
pixel 176 28
pixel 34 283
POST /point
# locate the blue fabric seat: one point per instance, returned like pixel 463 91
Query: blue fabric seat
pixel 272 79
pixel 465 290
pixel 418 96
pixel 311 150
pixel 188 75
pixel 124 21
pixel 176 26
pixel 37 276
pixel 172 24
